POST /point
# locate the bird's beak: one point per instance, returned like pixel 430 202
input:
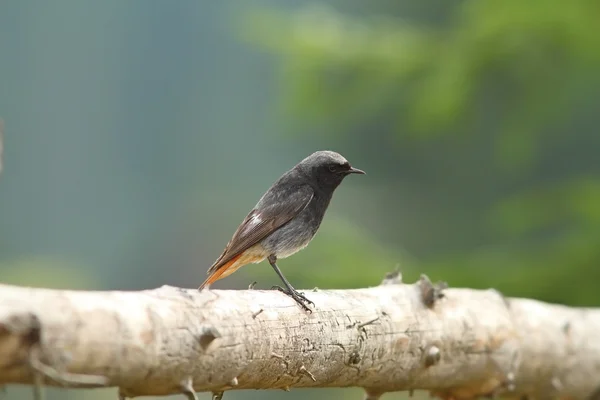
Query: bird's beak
pixel 353 170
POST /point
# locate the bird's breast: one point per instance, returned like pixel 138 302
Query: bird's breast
pixel 296 234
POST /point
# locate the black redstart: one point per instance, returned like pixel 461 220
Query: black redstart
pixel 285 219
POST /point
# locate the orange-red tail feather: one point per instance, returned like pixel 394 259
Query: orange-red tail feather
pixel 218 273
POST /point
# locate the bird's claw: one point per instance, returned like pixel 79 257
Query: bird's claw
pixel 297 296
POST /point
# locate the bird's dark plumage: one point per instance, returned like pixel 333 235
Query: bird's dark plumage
pixel 264 220
pixel 286 218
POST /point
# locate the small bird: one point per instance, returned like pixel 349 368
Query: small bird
pixel 285 219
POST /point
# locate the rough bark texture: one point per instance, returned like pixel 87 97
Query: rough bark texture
pixel 393 337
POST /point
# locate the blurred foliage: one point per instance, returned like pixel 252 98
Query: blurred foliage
pixel 504 89
pixel 347 69
pixel 47 272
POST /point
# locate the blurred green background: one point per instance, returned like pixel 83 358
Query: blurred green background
pixel 139 133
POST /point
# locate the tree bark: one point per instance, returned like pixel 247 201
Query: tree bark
pixel 458 344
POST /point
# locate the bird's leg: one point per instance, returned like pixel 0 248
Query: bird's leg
pixel 290 291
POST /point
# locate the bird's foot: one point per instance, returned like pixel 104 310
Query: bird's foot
pixel 297 296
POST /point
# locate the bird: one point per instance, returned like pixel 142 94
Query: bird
pixel 285 219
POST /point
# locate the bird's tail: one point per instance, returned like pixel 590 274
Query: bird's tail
pixel 214 274
pixel 205 285
pixel 209 281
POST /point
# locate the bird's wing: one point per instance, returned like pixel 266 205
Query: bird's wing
pixel 264 220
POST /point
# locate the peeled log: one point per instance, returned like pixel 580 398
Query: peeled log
pixel 395 336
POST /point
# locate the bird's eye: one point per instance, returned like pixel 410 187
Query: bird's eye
pixel 333 168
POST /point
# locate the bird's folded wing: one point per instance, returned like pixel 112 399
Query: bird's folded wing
pixel 264 220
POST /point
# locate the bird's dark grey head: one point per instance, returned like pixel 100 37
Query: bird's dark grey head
pixel 326 168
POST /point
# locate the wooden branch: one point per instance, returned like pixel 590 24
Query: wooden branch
pixel 459 345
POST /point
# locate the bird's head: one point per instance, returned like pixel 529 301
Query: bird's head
pixel 327 169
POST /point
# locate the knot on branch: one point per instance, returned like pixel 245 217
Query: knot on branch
pixel 430 293
pixel 207 336
pixel 392 278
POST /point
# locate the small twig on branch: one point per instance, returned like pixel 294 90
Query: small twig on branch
pixel 187 389
pixel 63 378
pixel 360 326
